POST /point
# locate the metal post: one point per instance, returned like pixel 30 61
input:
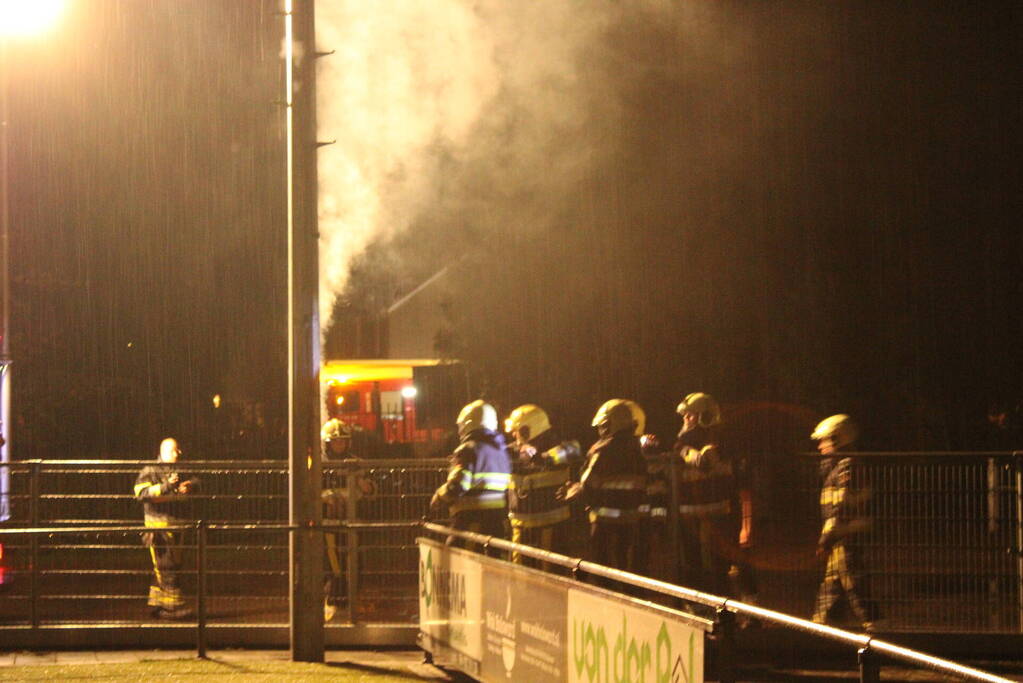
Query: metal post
pixel 677 553
pixel 724 632
pixel 870 668
pixel 5 284
pixel 1018 464
pixel 305 470
pixel 352 544
pixel 34 544
pixel 200 606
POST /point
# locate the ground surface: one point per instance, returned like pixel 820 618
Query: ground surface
pixel 222 666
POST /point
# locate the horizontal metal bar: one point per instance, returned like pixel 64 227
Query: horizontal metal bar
pixel 922 454
pixel 360 463
pixel 858 640
pixel 337 526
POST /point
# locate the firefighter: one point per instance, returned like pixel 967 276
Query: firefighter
pixel 540 468
pixel 163 494
pixel 613 484
pixel 336 435
pixel 707 493
pixel 477 485
pixel 842 520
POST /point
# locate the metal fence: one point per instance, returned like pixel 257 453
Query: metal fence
pixel 941 543
pixel 103 576
pixel 940 548
pixel 942 553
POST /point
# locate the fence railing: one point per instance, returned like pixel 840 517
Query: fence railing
pixel 100 573
pixel 871 651
pixel 941 547
pixel 942 553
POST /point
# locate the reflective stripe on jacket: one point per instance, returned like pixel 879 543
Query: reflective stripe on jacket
pixel 480 474
pixel 614 479
pixel 533 498
pixel 153 482
pixel 705 479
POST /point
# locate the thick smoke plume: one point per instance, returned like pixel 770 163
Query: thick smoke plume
pixel 418 91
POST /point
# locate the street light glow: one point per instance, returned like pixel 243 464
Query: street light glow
pixel 28 17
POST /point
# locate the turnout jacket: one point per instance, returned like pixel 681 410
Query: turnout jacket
pixel 841 505
pixel 706 480
pixel 537 476
pixel 480 474
pixel 161 500
pixel 614 479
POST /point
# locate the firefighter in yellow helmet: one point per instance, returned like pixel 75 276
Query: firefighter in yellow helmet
pixel 540 468
pixel 477 485
pixel 343 488
pixel 164 495
pixel 843 518
pixel 613 483
pixel 707 493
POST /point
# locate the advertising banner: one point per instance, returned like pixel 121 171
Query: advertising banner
pixel 449 601
pixel 500 622
pixel 612 641
pixel 523 625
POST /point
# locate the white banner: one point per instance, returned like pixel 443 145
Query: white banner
pixel 542 628
pixel 450 599
pixel 612 642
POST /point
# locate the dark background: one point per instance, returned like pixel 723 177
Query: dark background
pixel 802 208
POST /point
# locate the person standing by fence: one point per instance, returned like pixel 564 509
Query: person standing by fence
pixel 613 484
pixel 842 521
pixel 163 494
pixel 541 463
pixel 707 496
pixel 476 490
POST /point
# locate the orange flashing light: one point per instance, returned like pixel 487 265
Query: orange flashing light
pixel 343 372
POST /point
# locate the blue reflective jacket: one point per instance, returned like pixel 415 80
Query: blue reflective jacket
pixel 480 473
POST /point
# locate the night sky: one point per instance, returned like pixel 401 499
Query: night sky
pixel 810 206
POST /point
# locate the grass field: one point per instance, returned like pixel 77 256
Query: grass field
pixel 212 671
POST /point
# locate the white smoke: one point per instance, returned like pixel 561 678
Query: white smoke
pixel 415 82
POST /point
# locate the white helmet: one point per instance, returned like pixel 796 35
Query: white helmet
pixel 476 415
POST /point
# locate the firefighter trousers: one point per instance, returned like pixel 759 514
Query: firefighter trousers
pixel 707 546
pixel 166 553
pixel 842 578
pixel 489 522
pixel 546 537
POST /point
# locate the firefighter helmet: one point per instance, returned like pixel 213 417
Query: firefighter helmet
pixel 839 428
pixel 638 417
pixel 334 429
pixel 530 418
pixel 615 416
pixel 476 415
pixel 704 406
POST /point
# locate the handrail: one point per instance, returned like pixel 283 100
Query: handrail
pixel 864 642
pixel 917 454
pixel 283 464
pixel 241 526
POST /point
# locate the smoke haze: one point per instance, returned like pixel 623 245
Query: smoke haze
pixel 418 90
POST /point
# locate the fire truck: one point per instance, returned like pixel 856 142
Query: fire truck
pixel 409 402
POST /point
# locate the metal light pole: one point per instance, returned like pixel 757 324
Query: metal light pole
pixel 16 19
pixel 5 295
pixel 306 548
